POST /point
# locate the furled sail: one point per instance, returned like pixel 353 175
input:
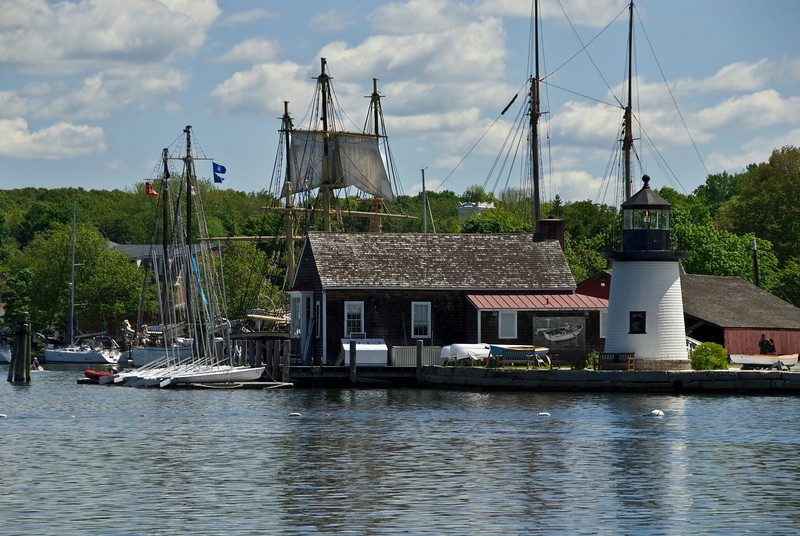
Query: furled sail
pixel 354 160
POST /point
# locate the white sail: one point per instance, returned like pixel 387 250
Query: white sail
pixel 354 160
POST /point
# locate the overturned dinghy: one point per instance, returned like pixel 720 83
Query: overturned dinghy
pixel 216 374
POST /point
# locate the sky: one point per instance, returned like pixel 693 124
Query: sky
pixel 92 90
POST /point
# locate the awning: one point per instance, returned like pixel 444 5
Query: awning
pixel 564 302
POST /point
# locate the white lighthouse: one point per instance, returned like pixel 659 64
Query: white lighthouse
pixel 645 304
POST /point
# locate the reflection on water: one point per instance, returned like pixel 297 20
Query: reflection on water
pixel 102 460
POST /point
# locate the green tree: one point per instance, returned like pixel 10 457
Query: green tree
pixel 477 194
pixel 718 189
pixel 584 255
pixel 766 204
pixel 245 268
pixel 16 295
pixel 107 283
pixel 498 220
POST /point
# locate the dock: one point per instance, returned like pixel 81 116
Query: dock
pixel 585 380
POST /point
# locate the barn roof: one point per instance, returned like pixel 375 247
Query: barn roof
pixel 732 302
pixel 438 261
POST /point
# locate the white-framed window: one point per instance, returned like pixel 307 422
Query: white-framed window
pixel 301 314
pixel 420 320
pixel 353 317
pixel 507 325
pixel 318 318
pixel 296 315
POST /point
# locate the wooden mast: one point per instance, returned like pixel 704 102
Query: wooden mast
pixel 535 112
pixel 286 129
pixel 189 170
pixel 375 222
pixel 325 187
pixel 627 141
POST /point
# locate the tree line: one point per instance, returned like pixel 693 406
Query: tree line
pixel 717 223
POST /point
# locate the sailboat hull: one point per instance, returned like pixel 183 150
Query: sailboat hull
pixel 81 354
pixel 145 355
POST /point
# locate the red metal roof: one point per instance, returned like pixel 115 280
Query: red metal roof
pixel 536 301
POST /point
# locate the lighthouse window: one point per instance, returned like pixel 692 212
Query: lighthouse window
pixel 646 219
pixel 638 322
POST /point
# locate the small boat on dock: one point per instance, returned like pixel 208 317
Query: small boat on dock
pixel 520 353
pixel 763 360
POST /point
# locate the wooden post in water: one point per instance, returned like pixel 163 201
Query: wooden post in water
pixel 275 359
pixel 286 348
pixel 259 360
pixel 419 361
pixel 353 374
pixel 19 371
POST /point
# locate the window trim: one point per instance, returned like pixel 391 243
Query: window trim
pixel 426 323
pixel 501 324
pixel 634 315
pixel 361 329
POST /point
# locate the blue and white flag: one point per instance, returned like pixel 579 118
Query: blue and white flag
pixel 219 169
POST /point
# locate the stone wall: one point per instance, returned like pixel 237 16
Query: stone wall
pixel 688 381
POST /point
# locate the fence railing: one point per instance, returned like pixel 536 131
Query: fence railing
pixel 406 356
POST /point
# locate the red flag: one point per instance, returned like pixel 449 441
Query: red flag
pixel 148 189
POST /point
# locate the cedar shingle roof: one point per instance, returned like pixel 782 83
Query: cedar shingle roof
pixel 732 302
pixel 439 261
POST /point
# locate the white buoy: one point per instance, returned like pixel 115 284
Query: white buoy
pixel 657 413
pixel 543 414
pixel 295 414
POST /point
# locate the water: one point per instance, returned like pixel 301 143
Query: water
pixel 83 459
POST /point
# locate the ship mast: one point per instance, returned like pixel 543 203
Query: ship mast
pixel 627 141
pixel 325 187
pixel 286 129
pixel 189 167
pixel 376 222
pixel 535 112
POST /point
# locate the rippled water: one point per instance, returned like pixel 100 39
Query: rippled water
pixel 80 459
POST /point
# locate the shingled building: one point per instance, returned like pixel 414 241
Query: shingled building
pixel 439 288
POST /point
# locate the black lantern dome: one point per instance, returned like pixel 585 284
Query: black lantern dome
pixel 645 227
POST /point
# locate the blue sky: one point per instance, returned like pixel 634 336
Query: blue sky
pixel 92 90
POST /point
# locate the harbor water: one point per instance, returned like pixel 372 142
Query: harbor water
pixel 100 460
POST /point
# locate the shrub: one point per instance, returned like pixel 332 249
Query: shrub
pixel 590 360
pixel 709 356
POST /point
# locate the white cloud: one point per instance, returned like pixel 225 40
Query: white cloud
pixel 263 88
pixel 252 51
pixel 93 97
pixel 334 20
pixel 248 17
pixel 592 13
pixel 61 140
pixel 753 151
pixel 69 37
pixel 418 16
pixel 751 111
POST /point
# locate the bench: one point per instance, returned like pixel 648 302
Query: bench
pixel 622 361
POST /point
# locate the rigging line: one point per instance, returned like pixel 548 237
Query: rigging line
pixel 507 142
pixel 663 164
pixel 582 95
pixel 672 96
pixel 585 46
pixel 477 142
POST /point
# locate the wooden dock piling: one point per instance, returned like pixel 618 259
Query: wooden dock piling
pixel 353 374
pixel 19 371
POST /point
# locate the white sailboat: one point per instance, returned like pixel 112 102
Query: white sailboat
pixel 192 342
pixel 84 352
